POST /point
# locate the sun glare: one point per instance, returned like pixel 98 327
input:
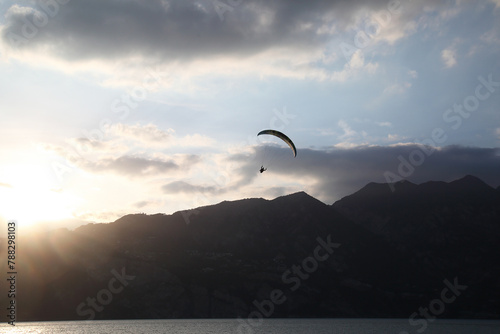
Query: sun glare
pixel 30 198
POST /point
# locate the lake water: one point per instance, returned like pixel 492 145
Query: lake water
pixel 268 326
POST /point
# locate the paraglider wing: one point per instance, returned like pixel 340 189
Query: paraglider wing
pixel 281 136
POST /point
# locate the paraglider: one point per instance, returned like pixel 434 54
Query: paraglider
pixel 283 137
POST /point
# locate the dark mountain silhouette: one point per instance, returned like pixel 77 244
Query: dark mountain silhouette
pixel 375 253
pixel 446 229
pixel 468 203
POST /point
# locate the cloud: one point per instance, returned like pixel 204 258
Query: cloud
pixel 191 39
pixel 126 150
pixel 386 124
pixel 357 63
pixel 392 23
pixel 496 2
pixel 83 146
pixel 330 174
pixel 413 74
pixel 184 187
pixel 88 143
pixel 5 185
pixel 326 132
pixel 449 57
pixel 149 133
pixel 348 131
pixel 278 38
pixel 178 29
pixel 226 174
pixel 491 37
pixel 147 203
pixel 142 204
pixel 351 138
pixel 130 166
pixel 175 30
pixel 395 137
pixel 397 88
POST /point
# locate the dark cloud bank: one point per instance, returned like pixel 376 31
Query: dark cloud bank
pixel 178 29
pixel 339 172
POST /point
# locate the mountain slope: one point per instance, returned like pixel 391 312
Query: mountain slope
pixel 466 201
pixel 372 254
pixel 447 229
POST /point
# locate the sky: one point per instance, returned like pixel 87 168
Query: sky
pixel 115 107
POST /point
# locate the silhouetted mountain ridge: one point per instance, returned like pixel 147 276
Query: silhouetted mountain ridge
pixel 375 202
pixel 393 249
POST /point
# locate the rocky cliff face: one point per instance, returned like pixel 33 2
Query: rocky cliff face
pixel 372 254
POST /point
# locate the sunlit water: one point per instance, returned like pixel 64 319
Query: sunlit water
pixel 268 326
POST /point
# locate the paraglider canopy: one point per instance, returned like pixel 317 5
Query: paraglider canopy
pixel 282 136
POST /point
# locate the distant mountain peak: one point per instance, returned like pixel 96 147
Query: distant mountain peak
pixel 471 181
pixel 300 197
pixel 374 195
pixel 403 185
pixel 374 189
pixel 298 194
pixel 469 178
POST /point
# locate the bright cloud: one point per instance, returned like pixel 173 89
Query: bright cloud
pixel 397 88
pixel 348 131
pixel 449 57
pixel 149 133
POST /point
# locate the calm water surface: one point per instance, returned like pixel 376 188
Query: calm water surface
pixel 268 326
